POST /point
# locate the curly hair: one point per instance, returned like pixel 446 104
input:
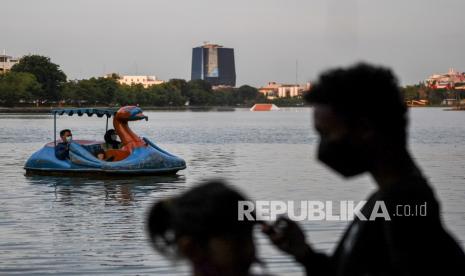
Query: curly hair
pixel 364 91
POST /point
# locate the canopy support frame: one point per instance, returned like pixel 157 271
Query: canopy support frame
pixel 106 127
pixel 55 129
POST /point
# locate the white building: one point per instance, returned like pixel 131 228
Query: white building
pixel 146 81
pixel 6 62
pixel 277 90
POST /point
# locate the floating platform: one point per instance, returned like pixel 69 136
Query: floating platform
pixel 264 107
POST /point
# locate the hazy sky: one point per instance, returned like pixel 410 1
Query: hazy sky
pixel 155 37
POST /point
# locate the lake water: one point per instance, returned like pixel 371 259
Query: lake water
pixel 95 225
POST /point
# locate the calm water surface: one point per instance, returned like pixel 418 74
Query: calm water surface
pixel 95 225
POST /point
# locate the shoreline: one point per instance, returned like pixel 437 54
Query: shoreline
pixel 47 110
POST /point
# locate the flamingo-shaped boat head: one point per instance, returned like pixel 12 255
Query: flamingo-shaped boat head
pixel 129 139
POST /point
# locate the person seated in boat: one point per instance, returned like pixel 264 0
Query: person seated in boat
pixel 62 148
pixel 201 225
pixel 101 155
pixel 111 141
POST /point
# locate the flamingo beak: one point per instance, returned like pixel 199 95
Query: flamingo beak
pixel 141 116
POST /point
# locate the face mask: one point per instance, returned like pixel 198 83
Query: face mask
pixel 114 137
pixel 69 139
pixel 343 157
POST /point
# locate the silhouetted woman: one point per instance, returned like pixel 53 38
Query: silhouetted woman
pixel 110 139
pixel 202 226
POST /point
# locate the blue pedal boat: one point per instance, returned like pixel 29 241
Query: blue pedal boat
pixel 137 155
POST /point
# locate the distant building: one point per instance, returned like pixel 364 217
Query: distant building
pixel 146 81
pixel 277 90
pixel 450 80
pixel 214 64
pixel 6 62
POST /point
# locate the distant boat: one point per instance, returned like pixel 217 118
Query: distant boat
pixel 264 107
pixel 413 103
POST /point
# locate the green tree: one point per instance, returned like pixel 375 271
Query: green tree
pixel 121 96
pixel 16 87
pixel 199 84
pixel 108 88
pixel 91 91
pixel 84 92
pixel 69 92
pixel 411 92
pixel 172 92
pixel 138 95
pixel 201 97
pixel 197 92
pixel 114 76
pixel 226 97
pixel 247 94
pixel 180 85
pixel 48 74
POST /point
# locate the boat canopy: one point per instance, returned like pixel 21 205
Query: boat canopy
pixel 100 112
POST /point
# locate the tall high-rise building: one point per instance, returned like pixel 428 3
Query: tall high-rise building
pixel 214 64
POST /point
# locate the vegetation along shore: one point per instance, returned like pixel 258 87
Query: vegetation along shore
pixel 35 84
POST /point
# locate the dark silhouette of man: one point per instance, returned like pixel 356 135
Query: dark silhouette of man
pixel 361 118
pixel 62 148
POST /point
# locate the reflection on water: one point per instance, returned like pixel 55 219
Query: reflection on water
pixel 215 160
pixel 87 224
pixel 123 189
pixel 95 224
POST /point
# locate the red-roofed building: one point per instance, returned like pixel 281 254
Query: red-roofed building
pixel 449 81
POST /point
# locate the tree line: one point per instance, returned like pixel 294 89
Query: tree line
pixel 433 96
pixel 35 80
pixel 175 92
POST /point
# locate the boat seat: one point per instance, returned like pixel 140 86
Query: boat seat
pixel 116 154
pixel 93 148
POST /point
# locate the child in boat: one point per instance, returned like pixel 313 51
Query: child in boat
pixel 101 155
pixel 111 141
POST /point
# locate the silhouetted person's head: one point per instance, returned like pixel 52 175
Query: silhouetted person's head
pixel 359 112
pixel 66 135
pixel 202 225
